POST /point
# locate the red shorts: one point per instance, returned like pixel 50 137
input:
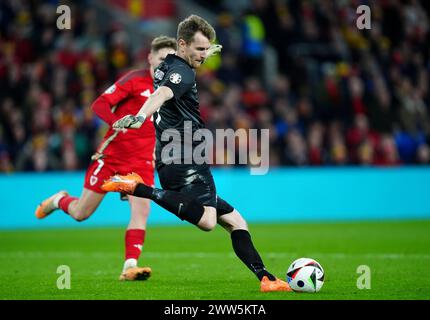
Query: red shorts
pixel 102 169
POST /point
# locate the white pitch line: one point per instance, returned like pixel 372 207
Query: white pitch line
pixel 206 255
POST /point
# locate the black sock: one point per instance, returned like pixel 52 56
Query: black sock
pixel 181 205
pixel 245 250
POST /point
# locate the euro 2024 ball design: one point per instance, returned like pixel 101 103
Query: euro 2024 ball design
pixel 305 275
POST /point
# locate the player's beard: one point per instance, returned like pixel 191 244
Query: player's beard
pixel 195 62
pixel 198 63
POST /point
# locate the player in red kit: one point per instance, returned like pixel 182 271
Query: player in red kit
pixel 117 154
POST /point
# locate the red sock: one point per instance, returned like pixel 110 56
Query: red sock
pixel 134 239
pixel 64 203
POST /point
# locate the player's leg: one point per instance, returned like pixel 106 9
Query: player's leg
pixel 83 207
pixel 78 208
pixel 185 192
pixel 242 243
pixel 134 240
pixel 232 221
pixel 182 204
pixel 208 221
pixel 136 229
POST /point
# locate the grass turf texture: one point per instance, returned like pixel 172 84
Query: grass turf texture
pixel 190 264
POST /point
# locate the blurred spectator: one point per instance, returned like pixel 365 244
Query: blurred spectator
pixel 296 150
pixel 336 143
pixel 423 154
pixel 386 152
pixel 253 36
pixel 315 143
pixel 361 140
pixel 413 111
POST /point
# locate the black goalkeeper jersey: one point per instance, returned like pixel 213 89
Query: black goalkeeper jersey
pixel 179 117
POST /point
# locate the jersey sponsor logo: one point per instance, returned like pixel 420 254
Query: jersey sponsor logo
pixel 111 89
pixel 159 75
pixel 175 78
pixel 93 180
pixel 146 93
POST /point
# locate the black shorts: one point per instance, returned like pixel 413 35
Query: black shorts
pixel 194 180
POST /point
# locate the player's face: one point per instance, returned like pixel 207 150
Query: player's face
pixel 196 51
pixel 155 58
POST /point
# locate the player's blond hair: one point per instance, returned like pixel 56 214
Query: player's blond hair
pixel 188 28
pixel 162 42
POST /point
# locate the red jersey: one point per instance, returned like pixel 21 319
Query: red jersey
pixel 126 97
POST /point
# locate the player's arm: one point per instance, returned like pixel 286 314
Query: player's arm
pixel 155 101
pixel 104 104
pixel 175 83
pixel 103 109
pixel 152 104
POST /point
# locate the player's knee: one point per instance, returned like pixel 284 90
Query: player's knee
pixel 145 211
pixel 207 223
pixel 80 218
pixel 82 215
pixel 207 226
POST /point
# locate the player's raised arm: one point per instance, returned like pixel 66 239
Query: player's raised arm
pixel 152 104
pixel 155 101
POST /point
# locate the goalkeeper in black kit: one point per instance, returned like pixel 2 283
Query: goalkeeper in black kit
pixel 188 187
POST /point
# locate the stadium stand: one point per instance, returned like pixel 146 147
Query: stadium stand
pixel 338 96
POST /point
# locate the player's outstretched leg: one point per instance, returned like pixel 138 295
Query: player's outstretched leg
pixel 77 208
pixel 234 223
pixel 192 211
pixel 182 205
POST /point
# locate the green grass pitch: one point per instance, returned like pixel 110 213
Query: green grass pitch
pixel 191 264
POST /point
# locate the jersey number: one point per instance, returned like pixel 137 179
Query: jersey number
pixel 99 167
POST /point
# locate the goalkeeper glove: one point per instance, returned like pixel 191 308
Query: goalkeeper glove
pixel 214 49
pixel 129 122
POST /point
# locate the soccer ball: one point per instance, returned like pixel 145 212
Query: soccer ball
pixel 305 275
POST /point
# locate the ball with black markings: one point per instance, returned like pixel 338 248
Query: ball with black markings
pixel 305 275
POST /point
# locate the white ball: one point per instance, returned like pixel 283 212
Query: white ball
pixel 305 275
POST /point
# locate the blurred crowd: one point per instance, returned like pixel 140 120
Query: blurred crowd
pixel 337 95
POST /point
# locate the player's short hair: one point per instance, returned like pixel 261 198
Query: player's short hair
pixel 162 42
pixel 190 26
